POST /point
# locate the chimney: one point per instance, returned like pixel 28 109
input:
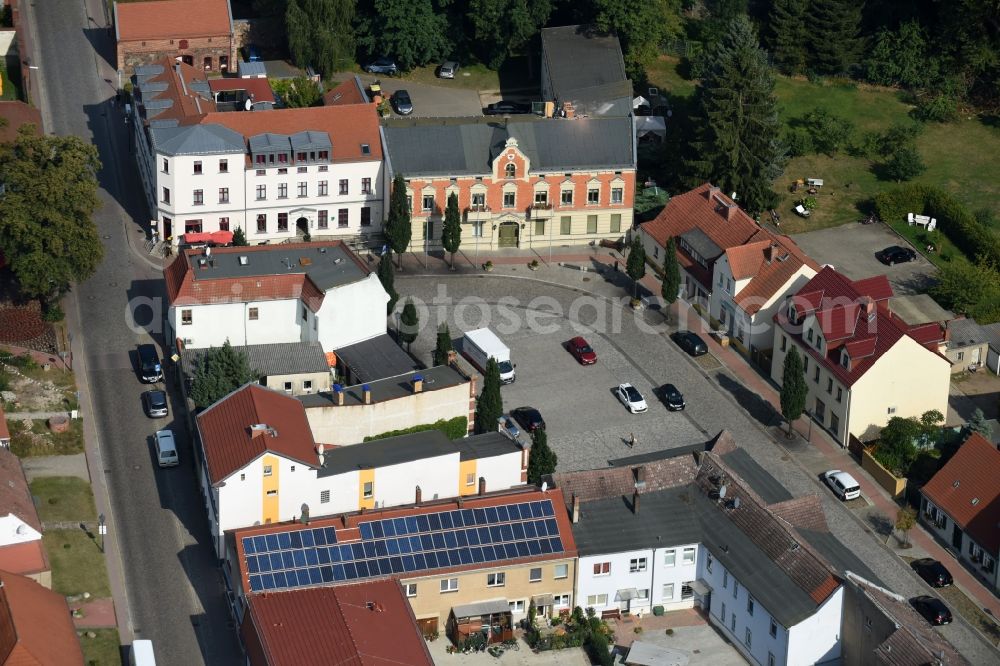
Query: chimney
pixel 258 429
pixel 482 485
pixel 338 392
pixel 869 306
pixel 366 390
pixel 640 476
pixel 418 383
pixel 635 502
pixel 452 356
pixel 576 509
pixel 730 211
pixel 711 192
pixel 419 496
pixel 319 450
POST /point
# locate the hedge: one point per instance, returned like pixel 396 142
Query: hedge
pixel 455 428
pixel 954 220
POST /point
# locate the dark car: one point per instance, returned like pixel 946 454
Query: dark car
pixel 932 571
pixel 401 100
pixel 673 398
pixel 150 369
pixel 382 65
pixel 894 254
pixel 529 418
pixel 507 108
pixel 582 351
pixel 155 403
pixel 932 608
pixel 690 343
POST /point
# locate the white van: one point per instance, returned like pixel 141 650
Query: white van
pixel 482 344
pixel 141 653
pixel 166 448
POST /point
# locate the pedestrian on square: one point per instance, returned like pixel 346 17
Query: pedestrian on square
pixel 631 440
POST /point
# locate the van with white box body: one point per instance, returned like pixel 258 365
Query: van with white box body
pixel 141 653
pixel 481 345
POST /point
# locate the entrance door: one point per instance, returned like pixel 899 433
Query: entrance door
pixel 508 234
pixel 301 226
pixel 956 538
pixel 975 356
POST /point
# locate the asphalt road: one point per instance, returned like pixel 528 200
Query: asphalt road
pixel 174 587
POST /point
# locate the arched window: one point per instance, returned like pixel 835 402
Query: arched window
pixel 511 170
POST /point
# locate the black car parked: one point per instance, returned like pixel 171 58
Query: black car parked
pixel 894 254
pixel 932 608
pixel 932 571
pixel 507 108
pixel 673 398
pixel 150 369
pixel 529 418
pixel 690 343
pixel 401 100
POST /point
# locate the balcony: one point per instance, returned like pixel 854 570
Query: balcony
pixel 478 213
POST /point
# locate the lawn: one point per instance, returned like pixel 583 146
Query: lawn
pixel 38 440
pixel 77 563
pixel 102 650
pixel 11 79
pixel 64 499
pixel 473 77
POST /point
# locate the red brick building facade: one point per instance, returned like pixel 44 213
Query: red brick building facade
pixel 199 32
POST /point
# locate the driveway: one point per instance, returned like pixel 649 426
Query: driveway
pixel 432 101
pixel 851 249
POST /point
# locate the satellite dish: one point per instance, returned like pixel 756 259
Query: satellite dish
pixel 545 486
pixel 247 104
pixel 736 502
pixel 722 492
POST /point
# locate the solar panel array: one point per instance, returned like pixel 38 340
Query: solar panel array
pixel 391 546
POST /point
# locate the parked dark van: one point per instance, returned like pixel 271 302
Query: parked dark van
pixel 150 369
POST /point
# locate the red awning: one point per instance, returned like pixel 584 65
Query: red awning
pixel 216 238
pixel 197 237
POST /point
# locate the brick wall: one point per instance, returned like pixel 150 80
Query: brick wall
pixel 131 54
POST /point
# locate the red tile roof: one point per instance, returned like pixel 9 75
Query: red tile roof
pixel 347 92
pixel 770 264
pixel 17 114
pixel 746 260
pixel 177 77
pixel 966 488
pixel 26 558
pixel 367 624
pixel 35 625
pixel 230 442
pixel 704 208
pixel 259 89
pixel 172 19
pixel 15 497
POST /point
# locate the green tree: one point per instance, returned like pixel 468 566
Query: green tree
pixel 899 440
pixel 451 232
pixel 736 138
pixel 969 289
pixel 239 238
pixel 834 28
pixel 905 164
pixel 978 423
pixel 444 346
pixel 906 519
pixel 503 27
pixel 220 371
pixel 50 193
pixel 641 25
pixel 489 406
pixel 793 388
pixel 387 276
pixel 409 323
pixel 398 229
pixel 900 57
pixel 301 92
pixel 671 273
pixel 320 34
pixel 788 34
pixel 542 460
pixel 829 132
pixel 635 265
pixel 414 31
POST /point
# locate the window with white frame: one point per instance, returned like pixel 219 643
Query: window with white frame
pixel 535 575
pixel 427 203
pixel 561 571
pixel 669 558
pixel 602 568
pixel 411 589
pixel 560 601
pixel 617 195
pixel 688 556
pixel 478 201
pixel 643 593
pixel 516 606
pixel 267 470
pixel 637 564
pixel 687 590
pixel 597 600
pixel 510 170
pixel 449 585
pixel 566 197
pixel 668 592
pixel 496 579
pixel 593 196
pixel 509 199
pixel 369 489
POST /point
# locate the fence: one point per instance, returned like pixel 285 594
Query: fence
pixel 894 485
pixel 681 48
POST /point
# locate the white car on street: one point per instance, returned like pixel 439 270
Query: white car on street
pixel 631 398
pixel 842 483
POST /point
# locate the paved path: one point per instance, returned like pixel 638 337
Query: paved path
pixel 72 465
pixel 35 416
pixel 95 614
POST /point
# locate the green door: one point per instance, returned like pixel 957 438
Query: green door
pixel 508 234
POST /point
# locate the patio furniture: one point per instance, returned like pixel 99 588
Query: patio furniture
pixel 925 221
pixel 814 182
pixel 801 211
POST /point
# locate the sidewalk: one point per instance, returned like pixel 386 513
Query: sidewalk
pixel 35 416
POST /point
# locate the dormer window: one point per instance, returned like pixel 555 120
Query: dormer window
pixel 819 343
pixel 792 314
pixel 809 335
pixel 845 359
pixel 510 170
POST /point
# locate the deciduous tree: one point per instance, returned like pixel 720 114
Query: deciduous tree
pixel 451 232
pixel 220 371
pixel 671 273
pixel 542 460
pixel 905 164
pixel 398 229
pixel 906 519
pixel 793 388
pixel 489 406
pixel 641 25
pixel 635 265
pixel 415 32
pixel 503 27
pixel 978 423
pixel 49 194
pixel 320 34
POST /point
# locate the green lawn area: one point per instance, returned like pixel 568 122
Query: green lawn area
pixel 64 498
pixel 474 77
pixel 958 155
pixel 11 87
pixel 102 650
pixel 77 563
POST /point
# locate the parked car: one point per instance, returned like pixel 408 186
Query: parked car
pixel 155 403
pixel 507 108
pixel 382 65
pixel 508 427
pixel 582 351
pixel 690 343
pixel 895 254
pixel 150 369
pixel 253 53
pixel 529 418
pixel 932 608
pixel 932 571
pixel 166 449
pixel 673 398
pixel 447 69
pixel 401 100
pixel 843 484
pixel 631 398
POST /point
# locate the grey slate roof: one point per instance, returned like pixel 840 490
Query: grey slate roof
pixel 286 358
pixel 665 519
pixel 756 476
pixel 916 309
pixel 442 376
pixel 701 243
pixel 195 139
pixel 376 358
pixel 327 265
pixel 840 556
pixel 465 147
pixel 964 332
pixel 578 58
pixel 414 446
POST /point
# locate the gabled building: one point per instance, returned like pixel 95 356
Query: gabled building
pixel 260 463
pixel 961 506
pixel 35 625
pixel 863 364
pixel 971 345
pixel 520 182
pixel 21 549
pixel 149 31
pixel 368 624
pixel 214 157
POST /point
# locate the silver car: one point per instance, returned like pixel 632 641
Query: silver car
pixel 447 69
pixel 509 428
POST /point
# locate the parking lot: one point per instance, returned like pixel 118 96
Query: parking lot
pixel 438 101
pixel 851 250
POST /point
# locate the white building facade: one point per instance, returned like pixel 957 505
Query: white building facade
pixel 635 581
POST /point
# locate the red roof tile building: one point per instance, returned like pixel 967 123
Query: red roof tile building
pixel 730 265
pixel 196 32
pixel 368 624
pixel 35 625
pixel 961 505
pixel 21 548
pixel 863 364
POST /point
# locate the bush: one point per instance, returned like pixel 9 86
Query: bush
pixel 941 108
pixel 905 164
pixel 799 142
pixel 455 428
pixel 53 313
pixel 598 649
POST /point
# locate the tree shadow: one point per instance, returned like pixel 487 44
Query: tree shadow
pixel 757 407
pixel 880 523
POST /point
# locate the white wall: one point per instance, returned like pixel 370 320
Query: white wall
pixel 619 578
pixel 183 181
pixel 816 640
pixel 352 313
pixel 678 574
pixel 762 336
pixel 502 471
pixel 212 325
pixel 437 477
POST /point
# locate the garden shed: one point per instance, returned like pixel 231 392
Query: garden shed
pixel 489 619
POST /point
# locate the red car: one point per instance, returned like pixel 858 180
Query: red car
pixel 579 348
